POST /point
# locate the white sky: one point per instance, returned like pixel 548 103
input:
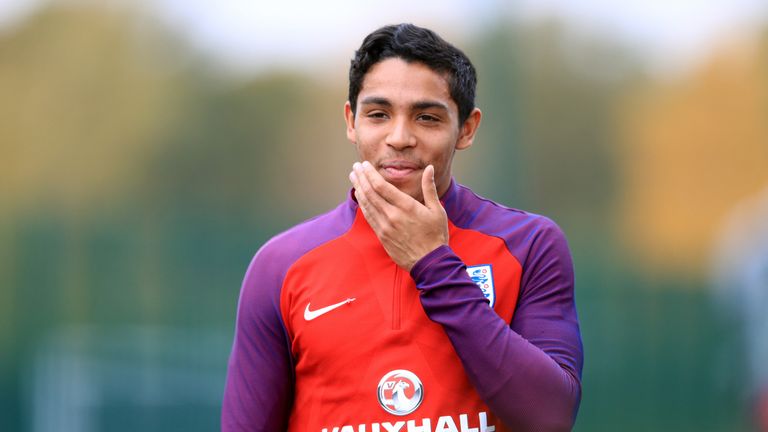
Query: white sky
pixel 257 34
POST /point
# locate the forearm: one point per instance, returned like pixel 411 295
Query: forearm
pixel 521 383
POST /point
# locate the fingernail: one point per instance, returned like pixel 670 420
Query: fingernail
pixel 366 164
pixel 356 165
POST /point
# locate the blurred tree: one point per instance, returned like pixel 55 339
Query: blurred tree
pixel 254 150
pixel 549 95
pixel 86 100
pixel 693 148
pixel 88 94
pixel 495 165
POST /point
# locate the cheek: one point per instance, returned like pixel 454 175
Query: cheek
pixel 444 165
pixel 366 143
pixel 366 153
pixel 363 149
pixel 443 162
pixel 443 154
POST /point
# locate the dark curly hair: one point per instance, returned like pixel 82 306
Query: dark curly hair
pixel 416 44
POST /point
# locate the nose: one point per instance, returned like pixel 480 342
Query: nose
pixel 400 135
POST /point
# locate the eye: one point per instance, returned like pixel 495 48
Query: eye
pixel 429 118
pixel 376 115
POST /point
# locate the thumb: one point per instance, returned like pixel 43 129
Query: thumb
pixel 428 188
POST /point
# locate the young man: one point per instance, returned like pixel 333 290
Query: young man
pixel 415 305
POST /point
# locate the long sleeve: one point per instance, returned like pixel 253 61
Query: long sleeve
pixel 261 377
pixel 259 388
pixel 527 372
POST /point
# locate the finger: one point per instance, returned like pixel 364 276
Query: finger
pixel 386 190
pixel 362 201
pixel 354 179
pixel 365 208
pixel 429 189
pixel 374 201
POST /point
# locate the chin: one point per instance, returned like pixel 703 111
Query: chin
pixel 417 195
pixel 414 191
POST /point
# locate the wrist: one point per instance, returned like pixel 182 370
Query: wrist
pixel 421 265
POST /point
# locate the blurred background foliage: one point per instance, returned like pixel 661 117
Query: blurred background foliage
pixel 138 180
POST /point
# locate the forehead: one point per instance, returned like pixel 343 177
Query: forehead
pixel 405 82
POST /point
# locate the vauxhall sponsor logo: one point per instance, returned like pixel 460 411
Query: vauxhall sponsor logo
pixel 400 392
pixel 444 424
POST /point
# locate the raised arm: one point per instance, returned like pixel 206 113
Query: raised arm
pixel 528 373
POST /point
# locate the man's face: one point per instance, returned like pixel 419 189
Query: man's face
pixel 405 120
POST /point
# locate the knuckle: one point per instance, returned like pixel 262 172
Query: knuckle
pixel 378 185
pixel 387 231
pixel 386 226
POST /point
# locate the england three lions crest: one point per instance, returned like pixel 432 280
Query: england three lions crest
pixel 482 275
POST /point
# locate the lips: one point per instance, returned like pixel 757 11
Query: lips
pixel 399 169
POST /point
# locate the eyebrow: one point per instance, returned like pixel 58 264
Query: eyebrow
pixel 419 105
pixel 376 100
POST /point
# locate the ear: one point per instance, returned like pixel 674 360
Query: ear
pixel 468 129
pixel 349 118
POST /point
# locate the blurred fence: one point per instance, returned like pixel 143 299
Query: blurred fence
pixel 126 379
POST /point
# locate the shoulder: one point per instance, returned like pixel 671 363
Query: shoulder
pixel 523 232
pixel 282 250
pixel 263 281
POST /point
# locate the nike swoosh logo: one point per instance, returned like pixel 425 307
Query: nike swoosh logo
pixel 309 315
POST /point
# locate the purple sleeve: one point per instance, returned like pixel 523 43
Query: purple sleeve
pixel 258 395
pixel 528 372
pixel 259 388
